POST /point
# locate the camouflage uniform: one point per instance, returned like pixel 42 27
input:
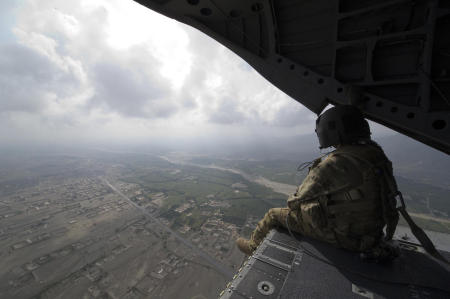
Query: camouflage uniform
pixel 341 201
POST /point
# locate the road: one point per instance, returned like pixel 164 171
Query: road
pixel 222 269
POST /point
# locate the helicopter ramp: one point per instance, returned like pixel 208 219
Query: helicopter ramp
pixel 286 266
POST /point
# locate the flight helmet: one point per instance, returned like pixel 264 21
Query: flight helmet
pixel 341 125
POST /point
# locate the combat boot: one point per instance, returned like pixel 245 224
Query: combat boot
pixel 246 246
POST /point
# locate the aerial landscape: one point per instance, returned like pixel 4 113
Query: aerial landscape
pixel 123 226
pixel 111 224
pixel 135 149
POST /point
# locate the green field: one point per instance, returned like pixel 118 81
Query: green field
pixel 182 184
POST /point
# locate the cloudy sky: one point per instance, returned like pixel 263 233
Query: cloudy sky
pixel 114 70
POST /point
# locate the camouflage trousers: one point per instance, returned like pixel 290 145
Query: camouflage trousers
pixel 284 217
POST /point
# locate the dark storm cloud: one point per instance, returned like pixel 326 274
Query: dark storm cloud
pixel 130 84
pixel 122 81
pixel 226 112
pixel 127 91
pixel 187 101
pixel 292 115
pixel 28 79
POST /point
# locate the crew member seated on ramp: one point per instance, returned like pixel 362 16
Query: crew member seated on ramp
pixel 347 198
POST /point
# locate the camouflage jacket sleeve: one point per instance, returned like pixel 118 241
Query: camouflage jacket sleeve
pixel 332 175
